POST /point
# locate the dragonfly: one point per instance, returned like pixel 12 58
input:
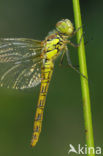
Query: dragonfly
pixel 26 63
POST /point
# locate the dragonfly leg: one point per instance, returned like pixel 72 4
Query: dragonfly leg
pixel 77 30
pixel 68 56
pixel 70 64
pixel 62 57
pixel 73 44
pixel 74 33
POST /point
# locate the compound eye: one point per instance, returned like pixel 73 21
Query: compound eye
pixel 65 26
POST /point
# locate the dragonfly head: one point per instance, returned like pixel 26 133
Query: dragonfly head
pixel 65 27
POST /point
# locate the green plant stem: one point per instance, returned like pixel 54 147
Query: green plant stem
pixel 84 82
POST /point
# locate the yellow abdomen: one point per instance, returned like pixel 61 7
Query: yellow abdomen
pixel 46 73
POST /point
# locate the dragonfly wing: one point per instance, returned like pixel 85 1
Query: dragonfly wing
pixel 16 49
pixel 20 63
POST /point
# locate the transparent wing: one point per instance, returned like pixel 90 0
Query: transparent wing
pixel 20 63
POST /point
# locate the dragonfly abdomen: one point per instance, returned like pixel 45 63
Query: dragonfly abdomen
pixel 46 73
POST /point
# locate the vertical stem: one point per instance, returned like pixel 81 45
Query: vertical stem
pixel 84 82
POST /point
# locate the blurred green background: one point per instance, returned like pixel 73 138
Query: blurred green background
pixel 63 122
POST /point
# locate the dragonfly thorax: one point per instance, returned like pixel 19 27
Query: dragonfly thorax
pixel 53 46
